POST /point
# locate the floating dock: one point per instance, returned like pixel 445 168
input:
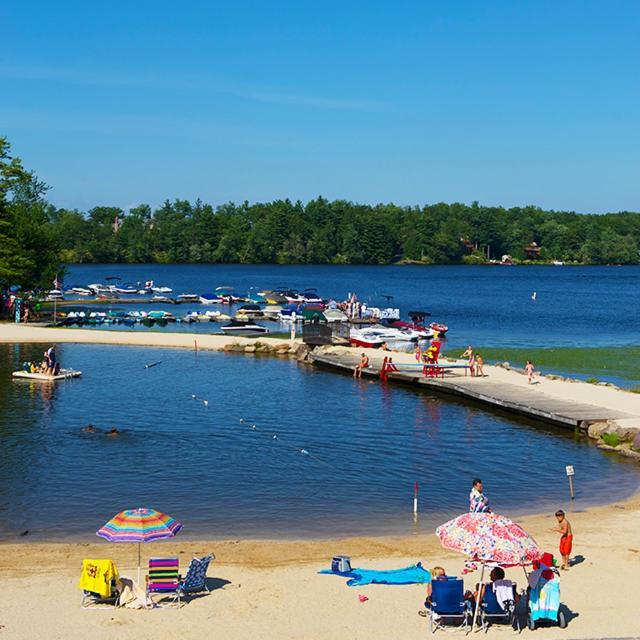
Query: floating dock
pixel 530 401
pixel 65 374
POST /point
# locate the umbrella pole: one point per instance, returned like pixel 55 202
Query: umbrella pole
pixel 478 598
pixel 138 564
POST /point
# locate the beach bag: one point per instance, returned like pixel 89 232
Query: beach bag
pixel 341 564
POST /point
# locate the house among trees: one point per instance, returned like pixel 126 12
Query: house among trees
pixel 532 251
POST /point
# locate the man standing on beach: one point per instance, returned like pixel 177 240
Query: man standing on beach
pixel 478 502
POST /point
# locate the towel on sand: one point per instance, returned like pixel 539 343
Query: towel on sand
pixel 415 574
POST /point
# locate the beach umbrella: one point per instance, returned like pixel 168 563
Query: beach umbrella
pixel 139 525
pixel 489 538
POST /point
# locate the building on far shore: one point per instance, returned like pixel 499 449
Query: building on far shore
pixel 532 251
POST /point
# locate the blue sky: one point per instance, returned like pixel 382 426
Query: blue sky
pixel 509 103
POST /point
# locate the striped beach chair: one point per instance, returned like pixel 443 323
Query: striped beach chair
pixel 163 581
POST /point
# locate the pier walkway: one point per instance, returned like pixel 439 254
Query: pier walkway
pixel 500 388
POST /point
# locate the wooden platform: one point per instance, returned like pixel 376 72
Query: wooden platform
pixel 64 374
pixel 530 402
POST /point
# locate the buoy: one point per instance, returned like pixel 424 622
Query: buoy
pixel 253 427
pixel 206 403
pixel 241 420
pixel 275 437
pixel 534 295
pixel 304 452
pixel 193 396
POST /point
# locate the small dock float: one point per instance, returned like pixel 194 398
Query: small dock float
pixel 64 374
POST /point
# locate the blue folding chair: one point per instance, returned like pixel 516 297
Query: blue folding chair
pixel 448 605
pixel 196 579
pixel 491 611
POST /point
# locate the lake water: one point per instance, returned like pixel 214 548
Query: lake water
pixel 366 444
pixel 487 306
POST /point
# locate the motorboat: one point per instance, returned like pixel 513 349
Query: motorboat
pixel 125 289
pixel 311 296
pixel 271 311
pixel 334 315
pixel 250 311
pixel 189 297
pixel 238 327
pixel 97 288
pixel 158 298
pixel 155 289
pixel 160 314
pixel 209 298
pixel 79 291
pixel 55 295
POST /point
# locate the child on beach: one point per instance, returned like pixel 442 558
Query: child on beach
pixel 529 369
pixel 479 366
pixel 566 538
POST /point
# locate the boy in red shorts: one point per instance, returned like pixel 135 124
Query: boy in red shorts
pixel 566 538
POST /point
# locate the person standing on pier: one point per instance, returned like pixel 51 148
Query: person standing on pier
pixel 471 359
pixel 478 502
pixel 529 369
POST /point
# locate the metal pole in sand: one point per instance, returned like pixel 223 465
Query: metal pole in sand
pixel 475 611
pixel 570 474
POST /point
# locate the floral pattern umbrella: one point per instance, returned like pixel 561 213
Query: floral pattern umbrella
pixel 489 537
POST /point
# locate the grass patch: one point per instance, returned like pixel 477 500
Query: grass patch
pixel 593 380
pixel 635 389
pixel 611 439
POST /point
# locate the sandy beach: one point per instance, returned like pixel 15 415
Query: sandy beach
pixel 270 589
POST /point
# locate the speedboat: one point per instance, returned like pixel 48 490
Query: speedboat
pixel 79 291
pixel 250 311
pixel 155 289
pixel 311 296
pixel 209 298
pixel 159 314
pixel 125 289
pixel 55 294
pixel 243 328
pixel 189 297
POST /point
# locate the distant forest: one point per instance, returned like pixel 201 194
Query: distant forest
pixel 341 232
pixel 36 237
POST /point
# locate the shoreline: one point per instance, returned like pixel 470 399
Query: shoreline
pixel 274 580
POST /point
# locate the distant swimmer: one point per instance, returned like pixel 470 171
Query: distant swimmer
pixel 534 295
pixel 113 432
pixel 89 429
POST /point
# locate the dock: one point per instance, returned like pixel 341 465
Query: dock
pixel 532 401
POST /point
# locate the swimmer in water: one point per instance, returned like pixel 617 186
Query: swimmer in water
pixel 113 432
pixel 89 429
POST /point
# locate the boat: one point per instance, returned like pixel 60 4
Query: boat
pixel 189 297
pixel 159 314
pixel 311 296
pixel 55 295
pixel 365 339
pixel 155 289
pixel 250 311
pixel 97 288
pixel 126 289
pixel 558 263
pixel 209 298
pixel 334 315
pixel 238 327
pixel 63 374
pixel 158 298
pixel 79 291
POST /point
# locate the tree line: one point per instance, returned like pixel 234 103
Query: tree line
pixel 37 237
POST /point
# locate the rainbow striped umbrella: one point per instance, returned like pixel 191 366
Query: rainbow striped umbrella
pixel 139 525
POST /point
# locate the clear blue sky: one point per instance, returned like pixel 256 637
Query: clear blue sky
pixel 510 102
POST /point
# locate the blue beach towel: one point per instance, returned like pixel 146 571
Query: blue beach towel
pixel 415 574
pixel 544 600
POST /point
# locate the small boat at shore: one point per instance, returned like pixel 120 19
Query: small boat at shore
pixel 238 327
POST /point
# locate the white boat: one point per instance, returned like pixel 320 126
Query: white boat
pixel 97 288
pixel 79 291
pixel 189 297
pixel 55 294
pixel 558 263
pixel 335 315
pixel 243 328
pixel 161 289
pixel 210 298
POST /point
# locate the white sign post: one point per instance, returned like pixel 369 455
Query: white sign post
pixel 570 473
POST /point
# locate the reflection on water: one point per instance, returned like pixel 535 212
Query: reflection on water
pixel 367 443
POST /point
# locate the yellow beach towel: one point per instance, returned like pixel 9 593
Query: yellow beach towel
pixel 97 575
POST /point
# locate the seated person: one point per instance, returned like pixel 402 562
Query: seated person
pixel 504 589
pixel 437 573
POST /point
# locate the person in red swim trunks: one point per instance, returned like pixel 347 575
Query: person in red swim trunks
pixel 566 538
